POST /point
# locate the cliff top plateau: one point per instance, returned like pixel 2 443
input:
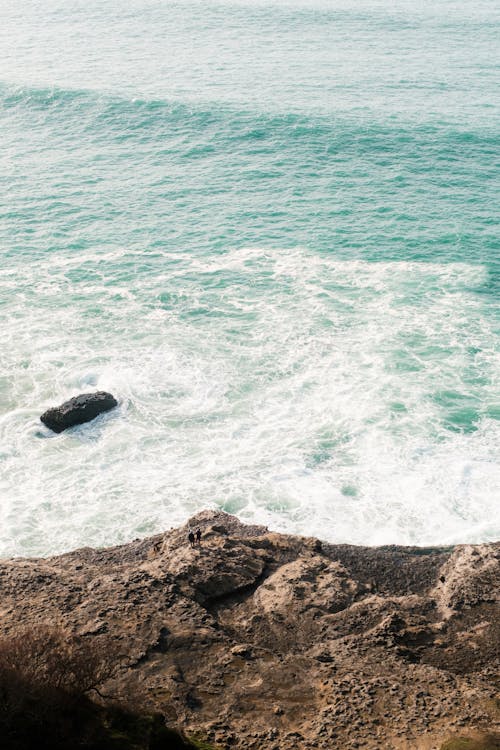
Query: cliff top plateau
pixel 265 641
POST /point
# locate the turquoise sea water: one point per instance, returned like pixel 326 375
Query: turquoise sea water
pixel 271 230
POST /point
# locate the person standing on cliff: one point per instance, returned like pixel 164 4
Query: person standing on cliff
pixel 198 537
pixel 191 538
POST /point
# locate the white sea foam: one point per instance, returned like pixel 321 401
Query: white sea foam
pixel 351 400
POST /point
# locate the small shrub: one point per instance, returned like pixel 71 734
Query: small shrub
pixel 55 659
pixel 47 679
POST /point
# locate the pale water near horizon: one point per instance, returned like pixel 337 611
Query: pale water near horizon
pixel 271 230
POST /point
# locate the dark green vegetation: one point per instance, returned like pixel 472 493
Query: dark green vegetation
pixel 485 742
pixel 50 699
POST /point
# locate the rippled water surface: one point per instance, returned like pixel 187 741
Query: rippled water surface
pixel 271 230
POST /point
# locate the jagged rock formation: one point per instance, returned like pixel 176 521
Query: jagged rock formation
pixel 268 641
pixel 77 410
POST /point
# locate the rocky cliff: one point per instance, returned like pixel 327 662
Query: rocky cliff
pixel 262 640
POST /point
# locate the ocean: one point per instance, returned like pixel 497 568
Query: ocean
pixel 270 229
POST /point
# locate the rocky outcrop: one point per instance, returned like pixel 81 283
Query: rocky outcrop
pixel 77 410
pixel 265 641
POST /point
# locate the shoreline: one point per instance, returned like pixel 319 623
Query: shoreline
pixel 415 549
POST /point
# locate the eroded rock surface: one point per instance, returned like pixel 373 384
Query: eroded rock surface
pixel 262 640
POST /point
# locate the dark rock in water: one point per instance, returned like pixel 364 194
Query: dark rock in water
pixel 78 410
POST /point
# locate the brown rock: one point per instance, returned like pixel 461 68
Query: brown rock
pixel 260 639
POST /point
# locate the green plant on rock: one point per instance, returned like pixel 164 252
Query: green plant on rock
pixel 201 745
pixel 484 742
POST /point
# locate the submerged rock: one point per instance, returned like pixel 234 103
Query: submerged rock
pixel 77 410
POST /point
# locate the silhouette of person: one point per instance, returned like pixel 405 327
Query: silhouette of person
pixel 198 536
pixel 191 538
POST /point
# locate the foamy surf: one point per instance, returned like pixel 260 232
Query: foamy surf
pixel 351 400
pixel 269 229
